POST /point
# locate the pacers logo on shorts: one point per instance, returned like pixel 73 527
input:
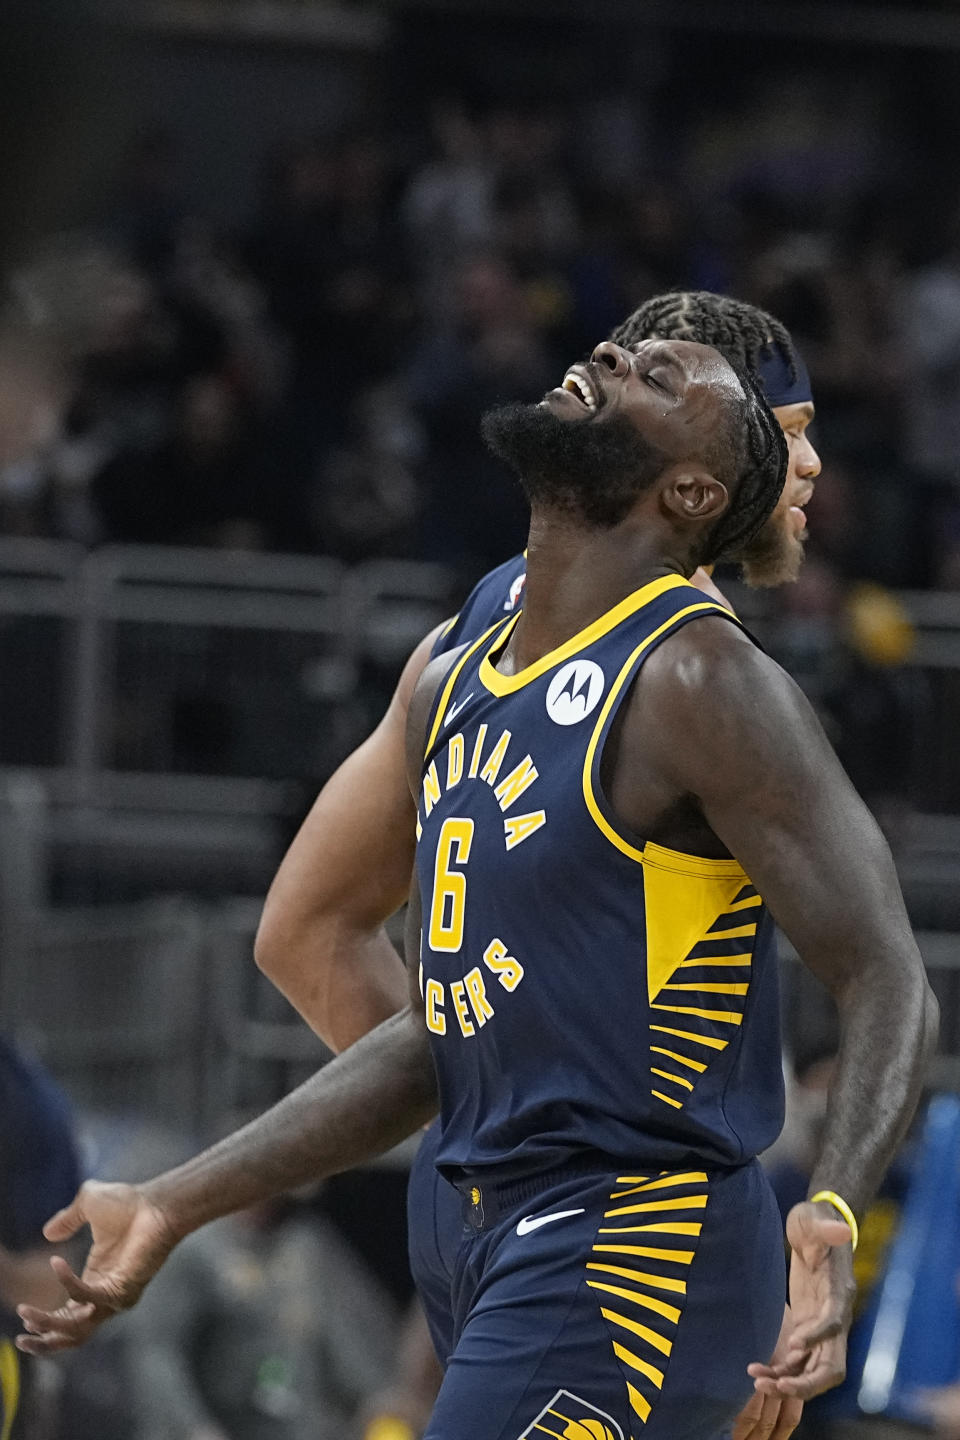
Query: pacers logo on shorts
pixel 567 1417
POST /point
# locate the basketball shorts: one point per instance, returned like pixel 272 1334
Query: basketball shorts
pixel 436 1229
pixel 609 1307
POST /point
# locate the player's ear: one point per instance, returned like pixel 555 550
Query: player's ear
pixel 692 493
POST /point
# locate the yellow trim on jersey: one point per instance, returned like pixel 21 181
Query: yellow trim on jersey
pixel 9 1386
pixel 660 858
pixel 725 1017
pixel 709 1040
pixel 681 1059
pixel 451 680
pixel 721 960
pixel 655 855
pixel 501 685
pixel 679 910
pixel 711 989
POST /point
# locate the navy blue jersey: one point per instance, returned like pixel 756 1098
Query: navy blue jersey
pixel 39 1173
pixel 585 990
pixel 497 595
pixel 39 1168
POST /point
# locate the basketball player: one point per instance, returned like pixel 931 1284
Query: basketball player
pixel 39 1168
pixel 598 1112
pixel 321 939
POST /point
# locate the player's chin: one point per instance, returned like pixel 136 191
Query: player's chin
pixel 774 557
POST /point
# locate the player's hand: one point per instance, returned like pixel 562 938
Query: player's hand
pixel 131 1240
pixel 821 1304
pixel 770 1416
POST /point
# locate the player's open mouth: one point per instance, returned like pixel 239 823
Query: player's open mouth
pixel 583 388
pixel 577 385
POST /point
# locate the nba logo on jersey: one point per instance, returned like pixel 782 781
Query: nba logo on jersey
pixel 516 590
pixel 574 692
pixel 569 1418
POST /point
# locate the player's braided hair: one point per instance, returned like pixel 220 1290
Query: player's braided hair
pixel 762 470
pixel 741 332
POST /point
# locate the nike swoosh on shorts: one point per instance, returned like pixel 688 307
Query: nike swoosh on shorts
pixel 530 1222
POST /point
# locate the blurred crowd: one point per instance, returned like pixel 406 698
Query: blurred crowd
pixel 311 378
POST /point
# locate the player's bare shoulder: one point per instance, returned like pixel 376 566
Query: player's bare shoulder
pixel 696 657
pixel 714 710
pixel 421 707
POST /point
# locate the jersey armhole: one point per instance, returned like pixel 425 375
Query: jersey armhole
pixel 646 852
pixel 438 645
pixel 446 686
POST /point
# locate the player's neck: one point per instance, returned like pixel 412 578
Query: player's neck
pixel 575 575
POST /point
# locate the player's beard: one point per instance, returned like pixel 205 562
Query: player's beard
pixel 588 470
pixel 775 554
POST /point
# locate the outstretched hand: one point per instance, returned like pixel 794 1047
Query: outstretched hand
pixel 131 1240
pixel 771 1416
pixel 814 1357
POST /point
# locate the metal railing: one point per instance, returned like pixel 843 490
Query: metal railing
pixel 142 661
pixel 175 703
pixel 111 998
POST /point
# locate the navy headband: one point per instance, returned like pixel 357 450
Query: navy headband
pixel 779 386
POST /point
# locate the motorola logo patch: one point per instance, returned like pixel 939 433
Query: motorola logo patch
pixel 575 692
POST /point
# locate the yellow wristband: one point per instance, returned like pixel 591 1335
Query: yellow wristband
pixel 388 1427
pixel 841 1206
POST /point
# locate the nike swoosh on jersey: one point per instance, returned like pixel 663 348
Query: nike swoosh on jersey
pixel 529 1222
pixel 455 709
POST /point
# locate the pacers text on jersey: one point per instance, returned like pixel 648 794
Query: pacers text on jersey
pixel 477 760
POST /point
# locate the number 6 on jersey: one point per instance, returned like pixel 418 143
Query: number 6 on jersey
pixel 446 921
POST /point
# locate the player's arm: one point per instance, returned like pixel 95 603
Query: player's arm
pixel 364 1102
pixel 729 728
pixel 368 1099
pixel 321 938
pixel 745 743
